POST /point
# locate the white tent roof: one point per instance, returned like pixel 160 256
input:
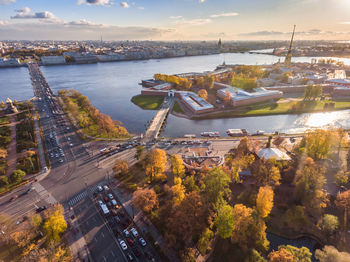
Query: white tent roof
pixel 269 153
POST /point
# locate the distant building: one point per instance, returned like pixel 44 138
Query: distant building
pixel 52 60
pixel 9 62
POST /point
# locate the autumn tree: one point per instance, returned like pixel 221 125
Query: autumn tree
pixel 203 94
pixel 329 224
pixel 178 193
pixel 145 199
pixel 55 223
pixel 189 218
pixel 317 144
pixel 236 163
pixel 22 238
pixel 190 184
pixel 155 162
pixel 309 182
pixel 330 254
pixel 227 99
pixel 343 203
pixel 248 229
pixel 216 185
pixel 266 172
pixel 264 201
pixel 341 178
pixel 245 146
pixel 121 167
pixel 3 181
pixel 281 255
pixel 224 221
pixel 177 165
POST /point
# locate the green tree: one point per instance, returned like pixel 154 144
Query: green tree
pixel 2 105
pixel 329 224
pixel 139 152
pixel 204 241
pixel 17 176
pixel 3 181
pixel 190 184
pixel 216 185
pixel 331 254
pixel 342 178
pixel 224 221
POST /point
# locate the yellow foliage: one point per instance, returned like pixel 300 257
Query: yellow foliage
pixel 55 223
pixel 264 201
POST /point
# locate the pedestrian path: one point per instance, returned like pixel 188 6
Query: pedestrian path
pixel 44 194
pixel 77 198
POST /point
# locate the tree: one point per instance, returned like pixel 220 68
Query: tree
pixel 204 240
pixel 245 146
pixel 17 176
pixel 227 99
pixel 22 238
pixel 177 166
pixel 203 94
pixel 122 167
pixel 342 178
pixel 145 199
pixel 3 181
pixel 264 201
pixel 224 221
pixel 309 182
pixel 190 184
pixel 282 255
pixel 343 203
pixel 2 104
pixel 296 218
pixel 155 163
pixel 329 223
pixel 139 152
pixel 3 153
pixel 317 143
pixel 266 172
pixel 55 224
pixel 178 193
pixel 302 254
pixel 216 185
pixel 249 229
pixel 331 254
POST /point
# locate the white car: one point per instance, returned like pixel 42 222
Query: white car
pixel 70 144
pixel 114 203
pixel 105 187
pixel 142 242
pixel 134 232
pixel 110 196
pixel 123 245
pixel 99 188
pixel 126 232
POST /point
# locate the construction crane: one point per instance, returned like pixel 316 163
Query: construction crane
pixel 288 59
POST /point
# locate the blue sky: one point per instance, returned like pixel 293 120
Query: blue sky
pixel 174 19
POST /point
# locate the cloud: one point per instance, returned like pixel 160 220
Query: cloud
pixel 175 17
pixel 224 15
pixel 25 13
pixel 201 1
pixel 141 7
pixel 195 22
pixel 124 5
pixel 262 33
pixel 3 23
pixel 95 2
pixel 84 23
pixel 309 34
pixel 6 2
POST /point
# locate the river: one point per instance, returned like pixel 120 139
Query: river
pixel 110 86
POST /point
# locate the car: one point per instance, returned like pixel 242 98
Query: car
pixel 130 241
pixel 29 189
pixel 100 202
pixel 40 209
pixel 106 199
pixel 142 242
pixel 123 245
pixel 114 203
pixel 134 232
pixel 105 187
pixel 61 161
pixel 13 198
pixel 99 189
pixel 62 154
pixel 110 196
pixel 57 155
pixel 68 138
pixel 130 258
pixel 136 251
pixel 126 232
pixel 117 219
pixel 70 144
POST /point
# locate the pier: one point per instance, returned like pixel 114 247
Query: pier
pixel 159 119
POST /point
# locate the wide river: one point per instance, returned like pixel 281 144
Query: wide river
pixel 110 86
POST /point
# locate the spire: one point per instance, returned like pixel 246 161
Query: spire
pixel 288 59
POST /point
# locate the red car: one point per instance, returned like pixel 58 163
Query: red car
pixel 130 241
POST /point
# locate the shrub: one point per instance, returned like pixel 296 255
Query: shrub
pixel 17 176
pixel 4 181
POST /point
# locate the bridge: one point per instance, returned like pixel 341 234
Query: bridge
pixel 159 119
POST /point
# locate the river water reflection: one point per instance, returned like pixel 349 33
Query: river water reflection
pixel 110 86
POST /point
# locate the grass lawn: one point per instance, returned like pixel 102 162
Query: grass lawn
pixel 177 108
pixel 148 102
pixel 281 108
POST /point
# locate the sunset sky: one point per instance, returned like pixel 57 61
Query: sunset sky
pixel 174 19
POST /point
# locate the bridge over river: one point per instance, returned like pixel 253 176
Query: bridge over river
pixel 159 119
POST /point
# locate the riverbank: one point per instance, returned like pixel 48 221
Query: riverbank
pixel 281 108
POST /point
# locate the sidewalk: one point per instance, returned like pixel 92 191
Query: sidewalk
pixel 142 222
pixel 39 142
pixel 12 150
pixel 75 239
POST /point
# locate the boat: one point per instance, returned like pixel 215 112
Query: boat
pixel 190 135
pixel 210 134
pixel 259 133
pixel 237 132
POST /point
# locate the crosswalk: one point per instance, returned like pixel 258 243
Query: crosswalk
pixel 77 198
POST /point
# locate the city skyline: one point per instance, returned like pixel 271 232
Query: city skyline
pixel 173 20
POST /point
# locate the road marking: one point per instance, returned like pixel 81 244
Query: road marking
pixel 104 258
pixel 103 235
pixel 95 239
pixel 77 198
pixel 112 253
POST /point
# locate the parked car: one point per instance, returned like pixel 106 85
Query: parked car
pixel 130 241
pixel 110 196
pixel 40 209
pixel 114 203
pixel 130 258
pixel 99 189
pixel 126 232
pixel 134 232
pixel 142 242
pixel 123 245
pixel 117 219
pixel 105 187
pixel 13 198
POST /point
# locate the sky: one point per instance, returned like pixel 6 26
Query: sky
pixel 174 19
